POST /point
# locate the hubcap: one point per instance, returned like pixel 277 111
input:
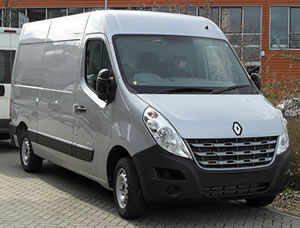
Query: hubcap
pixel 25 151
pixel 122 188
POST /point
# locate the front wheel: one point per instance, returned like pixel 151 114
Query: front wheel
pixel 30 161
pixel 260 202
pixel 127 191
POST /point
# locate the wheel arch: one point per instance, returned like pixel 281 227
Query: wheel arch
pixel 115 154
pixel 21 128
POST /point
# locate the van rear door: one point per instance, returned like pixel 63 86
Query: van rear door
pixel 6 64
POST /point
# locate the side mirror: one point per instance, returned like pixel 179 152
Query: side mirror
pixel 2 90
pixel 256 78
pixel 106 85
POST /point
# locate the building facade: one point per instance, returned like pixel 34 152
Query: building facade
pixel 265 34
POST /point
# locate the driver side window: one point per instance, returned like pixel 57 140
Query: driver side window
pixel 96 59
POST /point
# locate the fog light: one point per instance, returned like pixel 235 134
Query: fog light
pixel 171 190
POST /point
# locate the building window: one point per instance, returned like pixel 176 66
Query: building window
pixel 92 9
pixel 165 9
pixel 74 10
pixel 56 12
pixel 119 8
pixel 36 14
pixel 142 8
pixel 189 10
pixel 251 19
pixel 285 27
pixel 15 17
pixel 295 28
pixel 279 27
pixel 211 13
pixel 231 20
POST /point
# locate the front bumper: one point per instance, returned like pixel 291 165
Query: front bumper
pixel 168 178
pixel 4 133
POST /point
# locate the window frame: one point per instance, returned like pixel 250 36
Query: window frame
pixel 85 58
pixel 121 70
pixel 289 28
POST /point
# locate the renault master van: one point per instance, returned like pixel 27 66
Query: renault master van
pixel 156 107
pixel 9 40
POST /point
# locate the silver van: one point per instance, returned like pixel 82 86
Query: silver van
pixel 156 107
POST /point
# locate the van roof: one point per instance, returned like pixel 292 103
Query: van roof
pixel 113 22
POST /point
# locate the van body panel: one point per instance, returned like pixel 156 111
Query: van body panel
pixel 35 33
pixel 113 22
pixel 212 116
pixel 68 28
pixel 26 85
pixel 60 63
pixel 194 184
pixel 55 156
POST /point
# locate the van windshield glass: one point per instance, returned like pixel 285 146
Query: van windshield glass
pixel 6 63
pixel 176 64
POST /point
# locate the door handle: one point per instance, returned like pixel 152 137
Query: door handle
pixel 2 90
pixel 79 109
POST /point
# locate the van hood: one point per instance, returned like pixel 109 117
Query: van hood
pixel 213 116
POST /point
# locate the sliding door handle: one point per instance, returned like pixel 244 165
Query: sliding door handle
pixel 79 109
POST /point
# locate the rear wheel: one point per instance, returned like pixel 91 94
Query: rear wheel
pixel 127 191
pixel 29 161
pixel 260 202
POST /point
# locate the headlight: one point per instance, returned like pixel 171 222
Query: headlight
pixel 283 142
pixel 164 133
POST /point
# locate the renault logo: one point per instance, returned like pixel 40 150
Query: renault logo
pixel 237 128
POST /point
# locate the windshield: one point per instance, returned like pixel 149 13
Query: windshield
pixel 158 64
pixel 6 62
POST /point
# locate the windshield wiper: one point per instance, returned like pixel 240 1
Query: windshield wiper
pixel 221 90
pixel 187 89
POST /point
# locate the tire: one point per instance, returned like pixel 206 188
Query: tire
pixel 260 202
pixel 30 162
pixel 128 195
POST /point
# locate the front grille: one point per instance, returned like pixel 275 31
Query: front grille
pixel 233 153
pixel 229 190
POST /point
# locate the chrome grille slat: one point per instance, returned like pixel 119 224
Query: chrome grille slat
pixel 238 153
pixel 233 153
pixel 228 162
pixel 229 144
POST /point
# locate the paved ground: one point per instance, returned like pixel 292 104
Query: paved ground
pixel 58 198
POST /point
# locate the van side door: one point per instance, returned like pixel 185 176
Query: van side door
pixel 60 64
pixel 93 115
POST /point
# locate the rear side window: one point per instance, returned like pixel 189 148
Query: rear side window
pixel 96 59
pixel 6 65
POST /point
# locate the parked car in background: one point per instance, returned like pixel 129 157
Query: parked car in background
pixel 154 106
pixel 9 40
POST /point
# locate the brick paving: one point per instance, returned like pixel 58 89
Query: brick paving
pixel 56 197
